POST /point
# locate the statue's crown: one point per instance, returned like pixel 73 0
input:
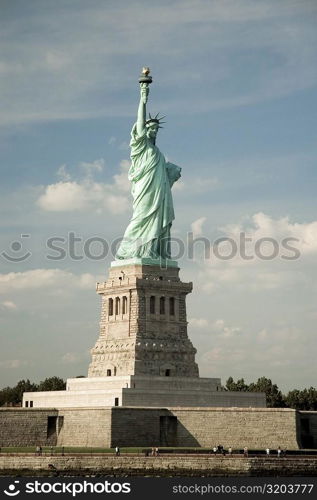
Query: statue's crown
pixel 155 119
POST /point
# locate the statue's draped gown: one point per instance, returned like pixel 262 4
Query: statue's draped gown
pixel 148 234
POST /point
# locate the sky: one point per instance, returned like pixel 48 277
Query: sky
pixel 237 81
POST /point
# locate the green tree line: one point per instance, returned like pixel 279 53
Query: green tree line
pixel 305 399
pixel 12 396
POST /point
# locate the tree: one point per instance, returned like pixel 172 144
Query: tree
pixel 14 395
pixel 239 385
pixel 305 399
pixel 312 399
pixel 293 399
pixel 230 385
pixel 5 396
pixel 20 388
pixel 52 384
pixel 274 397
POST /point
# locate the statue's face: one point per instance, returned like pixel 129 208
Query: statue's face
pixel 151 131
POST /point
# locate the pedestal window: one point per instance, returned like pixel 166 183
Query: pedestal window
pixel 152 304
pixel 110 307
pixel 172 306
pixel 162 305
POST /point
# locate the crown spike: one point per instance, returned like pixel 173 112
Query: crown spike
pixel 156 119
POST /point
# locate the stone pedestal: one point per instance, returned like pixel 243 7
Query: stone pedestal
pixel 143 327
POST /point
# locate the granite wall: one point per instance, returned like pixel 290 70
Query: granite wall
pixel 123 426
pixel 28 427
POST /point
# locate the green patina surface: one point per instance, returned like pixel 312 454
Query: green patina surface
pixel 152 177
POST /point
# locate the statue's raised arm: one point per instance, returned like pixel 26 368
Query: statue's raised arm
pixel 144 80
pixel 141 119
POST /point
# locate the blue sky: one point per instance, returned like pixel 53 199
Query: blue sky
pixel 237 81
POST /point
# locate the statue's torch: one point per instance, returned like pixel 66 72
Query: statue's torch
pixel 145 76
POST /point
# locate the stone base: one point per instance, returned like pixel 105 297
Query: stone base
pixel 131 390
pixel 256 428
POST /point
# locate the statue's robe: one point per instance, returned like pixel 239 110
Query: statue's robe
pixel 148 233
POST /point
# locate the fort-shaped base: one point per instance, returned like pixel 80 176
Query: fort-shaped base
pixel 143 391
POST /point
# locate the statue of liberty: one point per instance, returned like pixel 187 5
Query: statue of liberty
pixel 152 177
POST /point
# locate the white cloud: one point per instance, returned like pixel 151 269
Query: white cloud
pixel 212 355
pixel 124 146
pixel 179 185
pixel 220 327
pixel 121 180
pixel 86 194
pixel 117 204
pixel 13 363
pixel 91 167
pixel 9 305
pixel 261 225
pixel 198 322
pixel 256 262
pixel 196 185
pixel 204 184
pixel 58 323
pixel 70 358
pixel 63 174
pixel 65 196
pixel 48 279
pixel 197 226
